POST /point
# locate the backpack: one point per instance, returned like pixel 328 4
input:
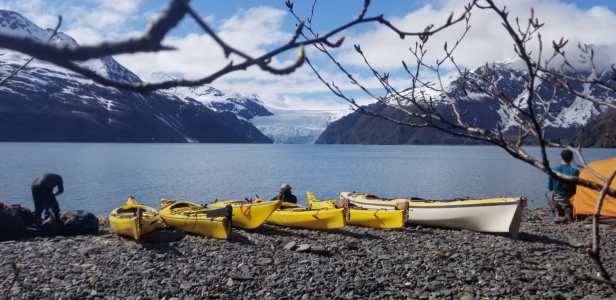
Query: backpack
pixel 11 224
pixel 25 214
pixel 79 222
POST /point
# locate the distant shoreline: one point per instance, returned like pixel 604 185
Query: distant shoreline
pixel 199 143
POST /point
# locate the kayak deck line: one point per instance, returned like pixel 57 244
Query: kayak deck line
pixel 413 205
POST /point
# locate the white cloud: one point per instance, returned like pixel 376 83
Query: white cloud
pixel 256 30
pixel 35 10
pixel 85 35
pixel 487 40
pixel 111 15
pixel 301 84
pixel 87 22
pixel 253 31
pixel 197 54
pixel 108 19
pixel 120 6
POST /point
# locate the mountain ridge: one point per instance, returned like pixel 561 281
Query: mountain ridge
pixel 567 115
pixel 600 132
pixel 46 103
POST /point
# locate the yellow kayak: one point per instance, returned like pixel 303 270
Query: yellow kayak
pixel 196 219
pixel 374 218
pixel 247 215
pixel 297 216
pixel 134 220
pixel 484 215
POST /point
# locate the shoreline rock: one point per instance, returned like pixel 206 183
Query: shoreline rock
pixel 415 263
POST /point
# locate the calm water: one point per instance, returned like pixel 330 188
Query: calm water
pixel 99 177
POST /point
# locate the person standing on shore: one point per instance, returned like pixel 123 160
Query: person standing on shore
pixel 562 191
pixel 44 196
pixel 285 194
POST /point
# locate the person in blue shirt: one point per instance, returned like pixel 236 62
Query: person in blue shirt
pixel 562 191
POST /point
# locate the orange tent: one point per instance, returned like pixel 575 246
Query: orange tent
pixel 585 199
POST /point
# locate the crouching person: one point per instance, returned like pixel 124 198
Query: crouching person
pixel 44 197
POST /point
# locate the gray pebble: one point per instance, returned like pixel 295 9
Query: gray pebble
pixel 416 263
pixel 289 246
pixel 303 248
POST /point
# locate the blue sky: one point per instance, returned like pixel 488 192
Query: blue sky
pixel 329 12
pixel 256 26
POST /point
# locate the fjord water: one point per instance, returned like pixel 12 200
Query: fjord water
pixel 99 177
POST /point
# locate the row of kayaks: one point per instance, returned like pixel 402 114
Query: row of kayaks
pixel 359 209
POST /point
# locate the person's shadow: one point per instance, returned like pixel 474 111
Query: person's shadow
pixel 536 238
pixel 279 231
pixel 357 235
pixel 162 240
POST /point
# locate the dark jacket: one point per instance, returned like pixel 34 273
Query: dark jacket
pixel 286 196
pixel 49 182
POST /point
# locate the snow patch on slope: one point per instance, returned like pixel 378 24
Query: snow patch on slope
pixel 577 114
pixel 244 107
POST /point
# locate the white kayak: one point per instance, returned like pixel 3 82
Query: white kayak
pixel 501 215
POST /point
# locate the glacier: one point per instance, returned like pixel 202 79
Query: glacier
pixel 296 126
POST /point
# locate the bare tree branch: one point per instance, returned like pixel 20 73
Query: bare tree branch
pixel 427 114
pixel 530 111
pixel 595 251
pixel 562 78
pixel 578 153
pixel 529 119
pixel 151 41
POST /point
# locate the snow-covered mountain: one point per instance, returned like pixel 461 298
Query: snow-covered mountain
pixel 567 113
pixel 80 101
pixel 244 107
pixel 47 103
pixel 565 110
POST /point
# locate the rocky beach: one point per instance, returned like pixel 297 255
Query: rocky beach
pixel 281 263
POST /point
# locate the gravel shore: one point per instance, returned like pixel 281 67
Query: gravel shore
pixel 280 263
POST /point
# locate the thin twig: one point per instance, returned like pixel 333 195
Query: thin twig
pixel 529 112
pixel 14 73
pixel 595 251
pixel 151 41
